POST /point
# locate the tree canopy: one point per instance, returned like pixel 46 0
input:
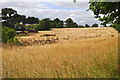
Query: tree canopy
pixel 10 17
pixel 95 25
pixel 70 23
pixel 107 12
pixel 86 25
pixel 31 20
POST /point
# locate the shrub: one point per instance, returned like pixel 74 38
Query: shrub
pixel 8 35
pixel 81 26
pixel 95 25
pixel 116 26
pixel 86 25
pixel 59 25
pixel 44 25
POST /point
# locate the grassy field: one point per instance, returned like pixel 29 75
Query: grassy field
pixel 78 53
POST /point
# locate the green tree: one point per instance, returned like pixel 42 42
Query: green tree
pixel 10 17
pixel 70 23
pixel 8 35
pixel 57 20
pixel 17 25
pixel 53 24
pixel 59 25
pixel 95 25
pixel 110 12
pixel 86 25
pixel 117 27
pixel 32 20
pixel 75 25
pixel 81 26
pixel 7 17
pixel 44 24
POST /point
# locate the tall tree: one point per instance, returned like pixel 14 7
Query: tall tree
pixel 86 25
pixel 32 20
pixel 95 25
pixel 10 17
pixel 44 24
pixel 7 17
pixel 69 22
pixel 60 25
pixel 57 20
pixel 110 12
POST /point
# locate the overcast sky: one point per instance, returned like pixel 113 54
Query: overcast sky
pixel 62 10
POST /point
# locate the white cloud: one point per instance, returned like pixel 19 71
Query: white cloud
pixel 42 10
pixel 72 15
pixel 58 0
pixel 72 5
pixel 43 0
pixel 81 21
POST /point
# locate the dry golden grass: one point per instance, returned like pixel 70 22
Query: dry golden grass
pixel 96 58
pixel 63 35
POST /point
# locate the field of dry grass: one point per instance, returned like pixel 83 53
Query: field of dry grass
pixel 94 54
pixel 63 35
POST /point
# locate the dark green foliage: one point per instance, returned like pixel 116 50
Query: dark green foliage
pixel 86 25
pixel 44 24
pixel 35 27
pixel 74 1
pixel 70 23
pixel 10 17
pixel 53 24
pixel 8 35
pixel 75 25
pixel 81 26
pixel 95 25
pixel 47 24
pixel 32 20
pixel 109 10
pixel 19 27
pixel 116 26
pixel 59 25
pixel 57 20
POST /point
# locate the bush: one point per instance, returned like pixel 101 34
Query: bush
pixel 86 25
pixel 116 26
pixel 8 35
pixel 59 25
pixel 44 25
pixel 75 25
pixel 95 25
pixel 81 26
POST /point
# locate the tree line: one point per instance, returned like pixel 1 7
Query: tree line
pixel 12 19
pixel 12 22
